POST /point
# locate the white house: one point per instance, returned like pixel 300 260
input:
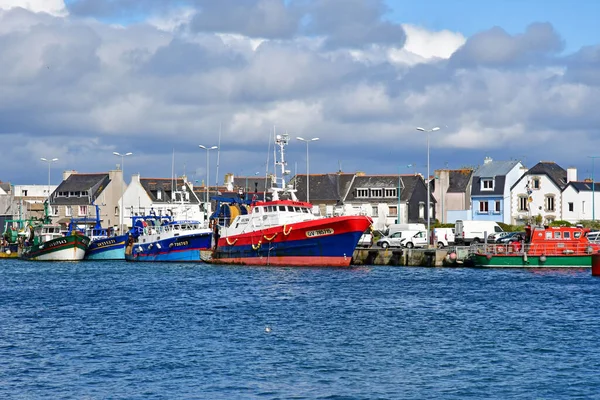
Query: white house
pixel 539 192
pixel 157 194
pixel 578 201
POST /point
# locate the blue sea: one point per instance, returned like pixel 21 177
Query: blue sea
pixel 116 330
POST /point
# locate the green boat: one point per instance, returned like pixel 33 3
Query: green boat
pixel 542 247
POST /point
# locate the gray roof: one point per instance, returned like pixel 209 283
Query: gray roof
pixel 324 187
pixel 409 183
pixel 91 184
pixel 459 180
pixel 6 186
pixel 554 171
pixel 492 169
pixel 165 185
pixel 584 186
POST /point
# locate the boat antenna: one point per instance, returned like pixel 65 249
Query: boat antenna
pixel 173 175
pixel 267 163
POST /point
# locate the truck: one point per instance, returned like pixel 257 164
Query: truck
pixel 467 232
pixel 443 237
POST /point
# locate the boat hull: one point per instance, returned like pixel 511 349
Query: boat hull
pixel 326 242
pixel 112 248
pixel 68 248
pixel 9 251
pixel 175 249
pixel 519 261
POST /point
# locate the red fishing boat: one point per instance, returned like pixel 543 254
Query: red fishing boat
pixel 281 231
pixel 543 246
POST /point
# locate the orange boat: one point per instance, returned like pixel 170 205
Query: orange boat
pixel 542 246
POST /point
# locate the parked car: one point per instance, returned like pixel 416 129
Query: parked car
pixel 366 240
pixel 493 237
pixel 513 237
pixel 393 240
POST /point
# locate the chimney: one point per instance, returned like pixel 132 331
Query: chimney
pixel 571 174
pixel 68 173
pixel 487 160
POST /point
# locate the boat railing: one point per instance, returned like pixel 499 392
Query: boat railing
pixel 548 249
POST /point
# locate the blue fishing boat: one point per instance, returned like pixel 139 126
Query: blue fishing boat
pixel 174 237
pixel 104 244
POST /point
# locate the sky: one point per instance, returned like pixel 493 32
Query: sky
pixel 81 79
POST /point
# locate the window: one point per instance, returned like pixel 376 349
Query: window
pixel 54 210
pixel 159 195
pixel 68 211
pixel 487 184
pixel 376 192
pixel 362 192
pixel 549 202
pixel 394 211
pixel 391 193
pixel 556 235
pixel 567 235
pixel 422 210
pixel 116 211
pixel 497 206
pixel 82 210
pixel 24 193
pixel 483 207
pixel 536 183
pixel 523 203
pixel 571 207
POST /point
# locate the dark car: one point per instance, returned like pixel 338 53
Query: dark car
pixel 513 237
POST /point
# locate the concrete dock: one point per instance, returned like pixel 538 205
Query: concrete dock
pixel 411 257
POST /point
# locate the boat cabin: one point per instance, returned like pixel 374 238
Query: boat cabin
pixel 558 240
pixel 262 215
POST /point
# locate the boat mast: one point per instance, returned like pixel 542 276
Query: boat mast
pixel 280 183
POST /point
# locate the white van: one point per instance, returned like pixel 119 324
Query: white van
pixel 443 237
pixel 468 232
pixel 405 227
pixel 408 239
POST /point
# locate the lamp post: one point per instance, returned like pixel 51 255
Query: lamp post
pixel 427 180
pixel 307 184
pixel 207 166
pixel 49 161
pixel 593 189
pixel 122 187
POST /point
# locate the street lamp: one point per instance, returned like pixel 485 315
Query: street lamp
pixel 427 180
pixel 122 187
pixel 49 161
pixel 593 189
pixel 307 184
pixel 207 166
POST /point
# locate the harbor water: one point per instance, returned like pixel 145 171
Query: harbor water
pixel 96 330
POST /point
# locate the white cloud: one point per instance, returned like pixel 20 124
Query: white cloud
pixel 428 44
pixel 54 7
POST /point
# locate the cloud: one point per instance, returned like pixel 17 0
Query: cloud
pixel 79 88
pixel 53 7
pixel 495 47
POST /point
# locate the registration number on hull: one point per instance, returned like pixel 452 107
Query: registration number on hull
pixel 320 232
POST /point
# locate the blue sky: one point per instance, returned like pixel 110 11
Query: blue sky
pixel 507 79
pixel 576 21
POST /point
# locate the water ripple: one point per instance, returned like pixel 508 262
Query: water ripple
pixel 119 330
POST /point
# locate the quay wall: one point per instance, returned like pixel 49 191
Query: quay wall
pixel 410 257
